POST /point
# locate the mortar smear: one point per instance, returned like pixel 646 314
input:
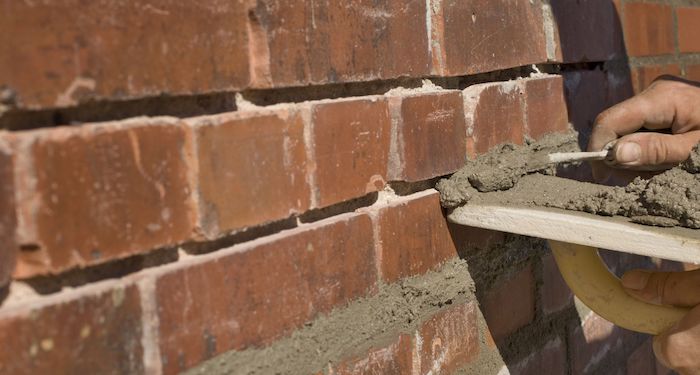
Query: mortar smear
pixel 512 175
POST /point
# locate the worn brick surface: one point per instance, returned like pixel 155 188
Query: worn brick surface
pixel 335 41
pixel 432 135
pixel 449 340
pixel 252 169
pixel 555 294
pixel 692 72
pixel 510 304
pixel 592 341
pixel 688 29
pixel 393 359
pixel 350 141
pixel 93 330
pixel 495 115
pixel 117 50
pixel 101 192
pixel 8 220
pixel 550 359
pixel 545 105
pixel 487 35
pixel 252 294
pixel 643 76
pixel 586 30
pixel 413 235
pixel 648 29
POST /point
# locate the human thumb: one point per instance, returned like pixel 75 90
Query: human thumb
pixel 653 151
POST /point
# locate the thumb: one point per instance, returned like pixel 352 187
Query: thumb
pixel 654 151
pixel 667 288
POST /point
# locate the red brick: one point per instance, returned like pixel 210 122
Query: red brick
pixel 487 35
pixel 252 169
pixel 551 359
pixel 101 192
pixel 545 105
pixel 252 294
pixel 325 42
pixel 449 340
pixel 92 330
pixel 119 50
pixel 642 360
pixel 350 141
pixel 495 115
pixel 592 342
pixel 556 295
pixel 692 72
pixel 414 236
pixel 473 238
pixel 643 76
pixel 393 359
pixel 510 304
pixel 432 135
pixel 688 29
pixel 8 219
pixel 586 31
pixel 648 29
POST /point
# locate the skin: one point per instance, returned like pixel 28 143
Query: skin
pixel 671 105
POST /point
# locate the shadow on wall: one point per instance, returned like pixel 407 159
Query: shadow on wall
pixel 550 334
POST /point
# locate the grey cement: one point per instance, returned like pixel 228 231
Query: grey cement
pixel 515 175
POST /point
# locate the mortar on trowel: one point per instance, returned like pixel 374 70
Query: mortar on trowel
pixel 509 190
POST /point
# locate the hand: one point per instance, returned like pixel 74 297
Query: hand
pixel 670 103
pixel 678 348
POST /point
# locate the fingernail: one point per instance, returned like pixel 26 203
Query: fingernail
pixel 628 152
pixel 635 280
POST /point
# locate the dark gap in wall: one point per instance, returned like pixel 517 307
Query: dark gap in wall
pixel 338 209
pixel 246 235
pixel 4 293
pixel 111 270
pixel 403 188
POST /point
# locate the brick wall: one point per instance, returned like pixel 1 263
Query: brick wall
pixel 247 186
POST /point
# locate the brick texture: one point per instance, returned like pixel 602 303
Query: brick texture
pixel 648 29
pixel 252 169
pixel 449 340
pixel 8 220
pixel 590 342
pixel 643 362
pixel 688 29
pixel 285 280
pixel 413 236
pixel 393 359
pixel 432 136
pixel 87 331
pixel 487 35
pixel 102 192
pixel 643 76
pixel 555 294
pixel 118 50
pixel 550 359
pixel 326 42
pixel 545 106
pixel 350 141
pixel 510 304
pixel 692 72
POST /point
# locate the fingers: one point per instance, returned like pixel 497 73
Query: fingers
pixel 667 288
pixel 654 151
pixel 678 347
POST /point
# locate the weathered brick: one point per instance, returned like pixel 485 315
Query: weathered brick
pixel 550 359
pixel 350 141
pixel 586 31
pixel 99 192
pixel 91 330
pixel 688 29
pixel 510 304
pixel 592 341
pixel 334 41
pixel 252 169
pixel 449 340
pixel 413 236
pixel 486 35
pixel 495 115
pixel 119 50
pixel 692 72
pixel 393 359
pixel 555 294
pixel 643 76
pixel 431 136
pixel 8 219
pixel 545 105
pixel 648 29
pixel 255 293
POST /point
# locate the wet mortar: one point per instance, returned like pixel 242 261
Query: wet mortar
pixel 520 175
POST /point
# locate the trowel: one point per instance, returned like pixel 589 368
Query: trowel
pixel 575 238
